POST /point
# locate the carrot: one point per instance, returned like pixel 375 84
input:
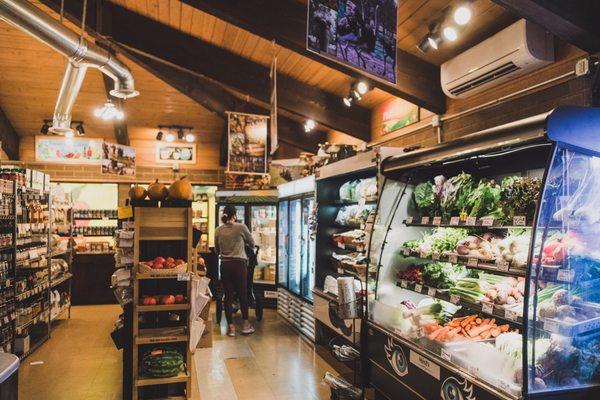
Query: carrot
pixel 496 332
pixel 463 331
pixel 486 334
pixel 476 331
pixel 454 331
pixel 454 324
pixel 433 335
pixel 478 321
pixel 486 321
pixel 493 321
pixel 467 320
pixel 504 328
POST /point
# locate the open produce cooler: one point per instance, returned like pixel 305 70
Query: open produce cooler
pixel 486 267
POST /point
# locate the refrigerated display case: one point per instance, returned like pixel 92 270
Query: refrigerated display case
pixel 484 272
pixel 295 257
pixel 258 210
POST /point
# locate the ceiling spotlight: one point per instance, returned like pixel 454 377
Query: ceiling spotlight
pixel 180 134
pixel 434 42
pixel 356 95
pixel 159 135
pixel 462 15
pixel 450 33
pixel 69 134
pixel 44 128
pixel 362 87
pixel 309 125
pixel 348 101
pixel 108 112
pixel 169 137
pixel 80 130
pixel 190 138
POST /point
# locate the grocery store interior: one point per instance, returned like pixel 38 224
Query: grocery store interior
pixel 299 199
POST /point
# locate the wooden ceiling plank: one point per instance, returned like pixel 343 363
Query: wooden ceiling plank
pixel 285 22
pixel 573 21
pixel 8 137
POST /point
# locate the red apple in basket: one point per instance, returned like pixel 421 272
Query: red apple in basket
pixel 158 265
pixel 168 299
pixel 170 260
pixel 179 261
pixel 159 260
pixel 169 265
pixel 179 299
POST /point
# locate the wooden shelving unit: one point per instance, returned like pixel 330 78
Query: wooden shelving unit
pixel 166 230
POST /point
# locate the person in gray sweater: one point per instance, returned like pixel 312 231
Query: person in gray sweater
pixel 231 239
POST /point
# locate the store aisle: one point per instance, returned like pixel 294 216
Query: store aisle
pixel 273 364
pixel 80 360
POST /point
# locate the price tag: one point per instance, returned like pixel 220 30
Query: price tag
pixel 435 256
pixel 270 294
pixel 454 299
pixel 566 275
pixel 33 254
pixel 519 220
pixel 422 254
pixel 185 276
pixel 452 258
pixel 454 220
pixel 340 271
pixel 502 265
pixel 551 326
pixel 409 220
pixel 471 221
pixel 406 251
pixel 487 308
pixel 472 262
pixel 418 288
pixel 437 220
pixel 487 221
pixel 445 354
pixel 431 291
pixel 510 315
pixel 403 283
pixel 124 212
pixel 425 220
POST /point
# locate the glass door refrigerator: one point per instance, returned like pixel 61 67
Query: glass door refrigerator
pixel 258 210
pixel 295 256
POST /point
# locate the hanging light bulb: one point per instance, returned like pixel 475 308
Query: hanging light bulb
pixel 108 112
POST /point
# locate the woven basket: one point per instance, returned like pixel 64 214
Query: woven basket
pixel 144 269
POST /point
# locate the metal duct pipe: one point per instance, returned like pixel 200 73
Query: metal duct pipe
pixel 80 53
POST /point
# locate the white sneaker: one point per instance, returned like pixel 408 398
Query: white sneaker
pixel 248 328
pixel 231 332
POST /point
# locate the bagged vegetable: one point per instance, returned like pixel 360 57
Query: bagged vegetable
pixel 455 194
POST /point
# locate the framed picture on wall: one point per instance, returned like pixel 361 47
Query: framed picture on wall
pixel 58 149
pixel 175 153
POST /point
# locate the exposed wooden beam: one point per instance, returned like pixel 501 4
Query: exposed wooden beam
pixel 8 137
pixel 285 22
pixel 573 21
pixel 235 71
pixel 213 97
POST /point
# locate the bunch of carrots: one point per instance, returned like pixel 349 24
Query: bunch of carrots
pixel 470 327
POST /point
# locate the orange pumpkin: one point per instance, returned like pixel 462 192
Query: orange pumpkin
pixel 181 189
pixel 157 191
pixel 137 192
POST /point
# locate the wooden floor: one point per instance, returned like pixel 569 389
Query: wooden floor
pixel 80 362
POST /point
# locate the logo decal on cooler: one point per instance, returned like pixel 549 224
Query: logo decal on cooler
pixel 457 389
pixel 396 357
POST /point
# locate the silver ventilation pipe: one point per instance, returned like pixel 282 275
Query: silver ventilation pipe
pixel 80 53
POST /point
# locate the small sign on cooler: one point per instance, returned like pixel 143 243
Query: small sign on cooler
pixel 472 221
pixel 454 220
pixel 437 220
pixel 519 220
pixel 425 220
pixel 184 276
pixel 418 288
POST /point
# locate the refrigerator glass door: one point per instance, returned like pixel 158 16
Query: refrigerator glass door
pixel 263 223
pixel 282 245
pixel 308 242
pixel 295 245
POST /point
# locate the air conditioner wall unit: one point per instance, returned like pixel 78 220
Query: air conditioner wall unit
pixel 514 51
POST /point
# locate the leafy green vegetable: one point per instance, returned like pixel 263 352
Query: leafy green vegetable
pixel 441 240
pixel 520 195
pixel 484 200
pixel 411 244
pixel 423 198
pixel 455 194
pixel 443 275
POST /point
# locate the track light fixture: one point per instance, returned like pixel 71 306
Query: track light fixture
pixel 447 28
pixel 309 125
pixel 357 90
pixel 175 132
pixel 80 130
pixel 44 129
pixel 348 101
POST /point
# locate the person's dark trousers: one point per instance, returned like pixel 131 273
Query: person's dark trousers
pixel 233 277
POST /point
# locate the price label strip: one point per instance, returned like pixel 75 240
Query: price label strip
pixel 437 220
pixel 425 220
pixel 454 299
pixel 519 220
pixel 472 221
pixel 403 283
pixel 487 308
pixel 551 326
pixel 510 315
pixel 431 291
pixel 452 258
pixel 487 221
pixel 566 275
pixel 502 265
pixel 472 262
pixel 454 221
pixel 183 276
pixel 418 288
pixel 435 256
pixel 409 220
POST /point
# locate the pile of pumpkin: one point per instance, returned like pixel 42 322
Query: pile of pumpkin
pixel 181 189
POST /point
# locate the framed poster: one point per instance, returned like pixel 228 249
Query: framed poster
pixel 118 159
pixel 397 114
pixel 247 143
pixel 359 33
pixel 58 149
pixel 175 153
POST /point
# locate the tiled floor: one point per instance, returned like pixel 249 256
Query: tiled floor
pixel 80 362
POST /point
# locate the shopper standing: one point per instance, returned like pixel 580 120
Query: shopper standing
pixel 231 239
